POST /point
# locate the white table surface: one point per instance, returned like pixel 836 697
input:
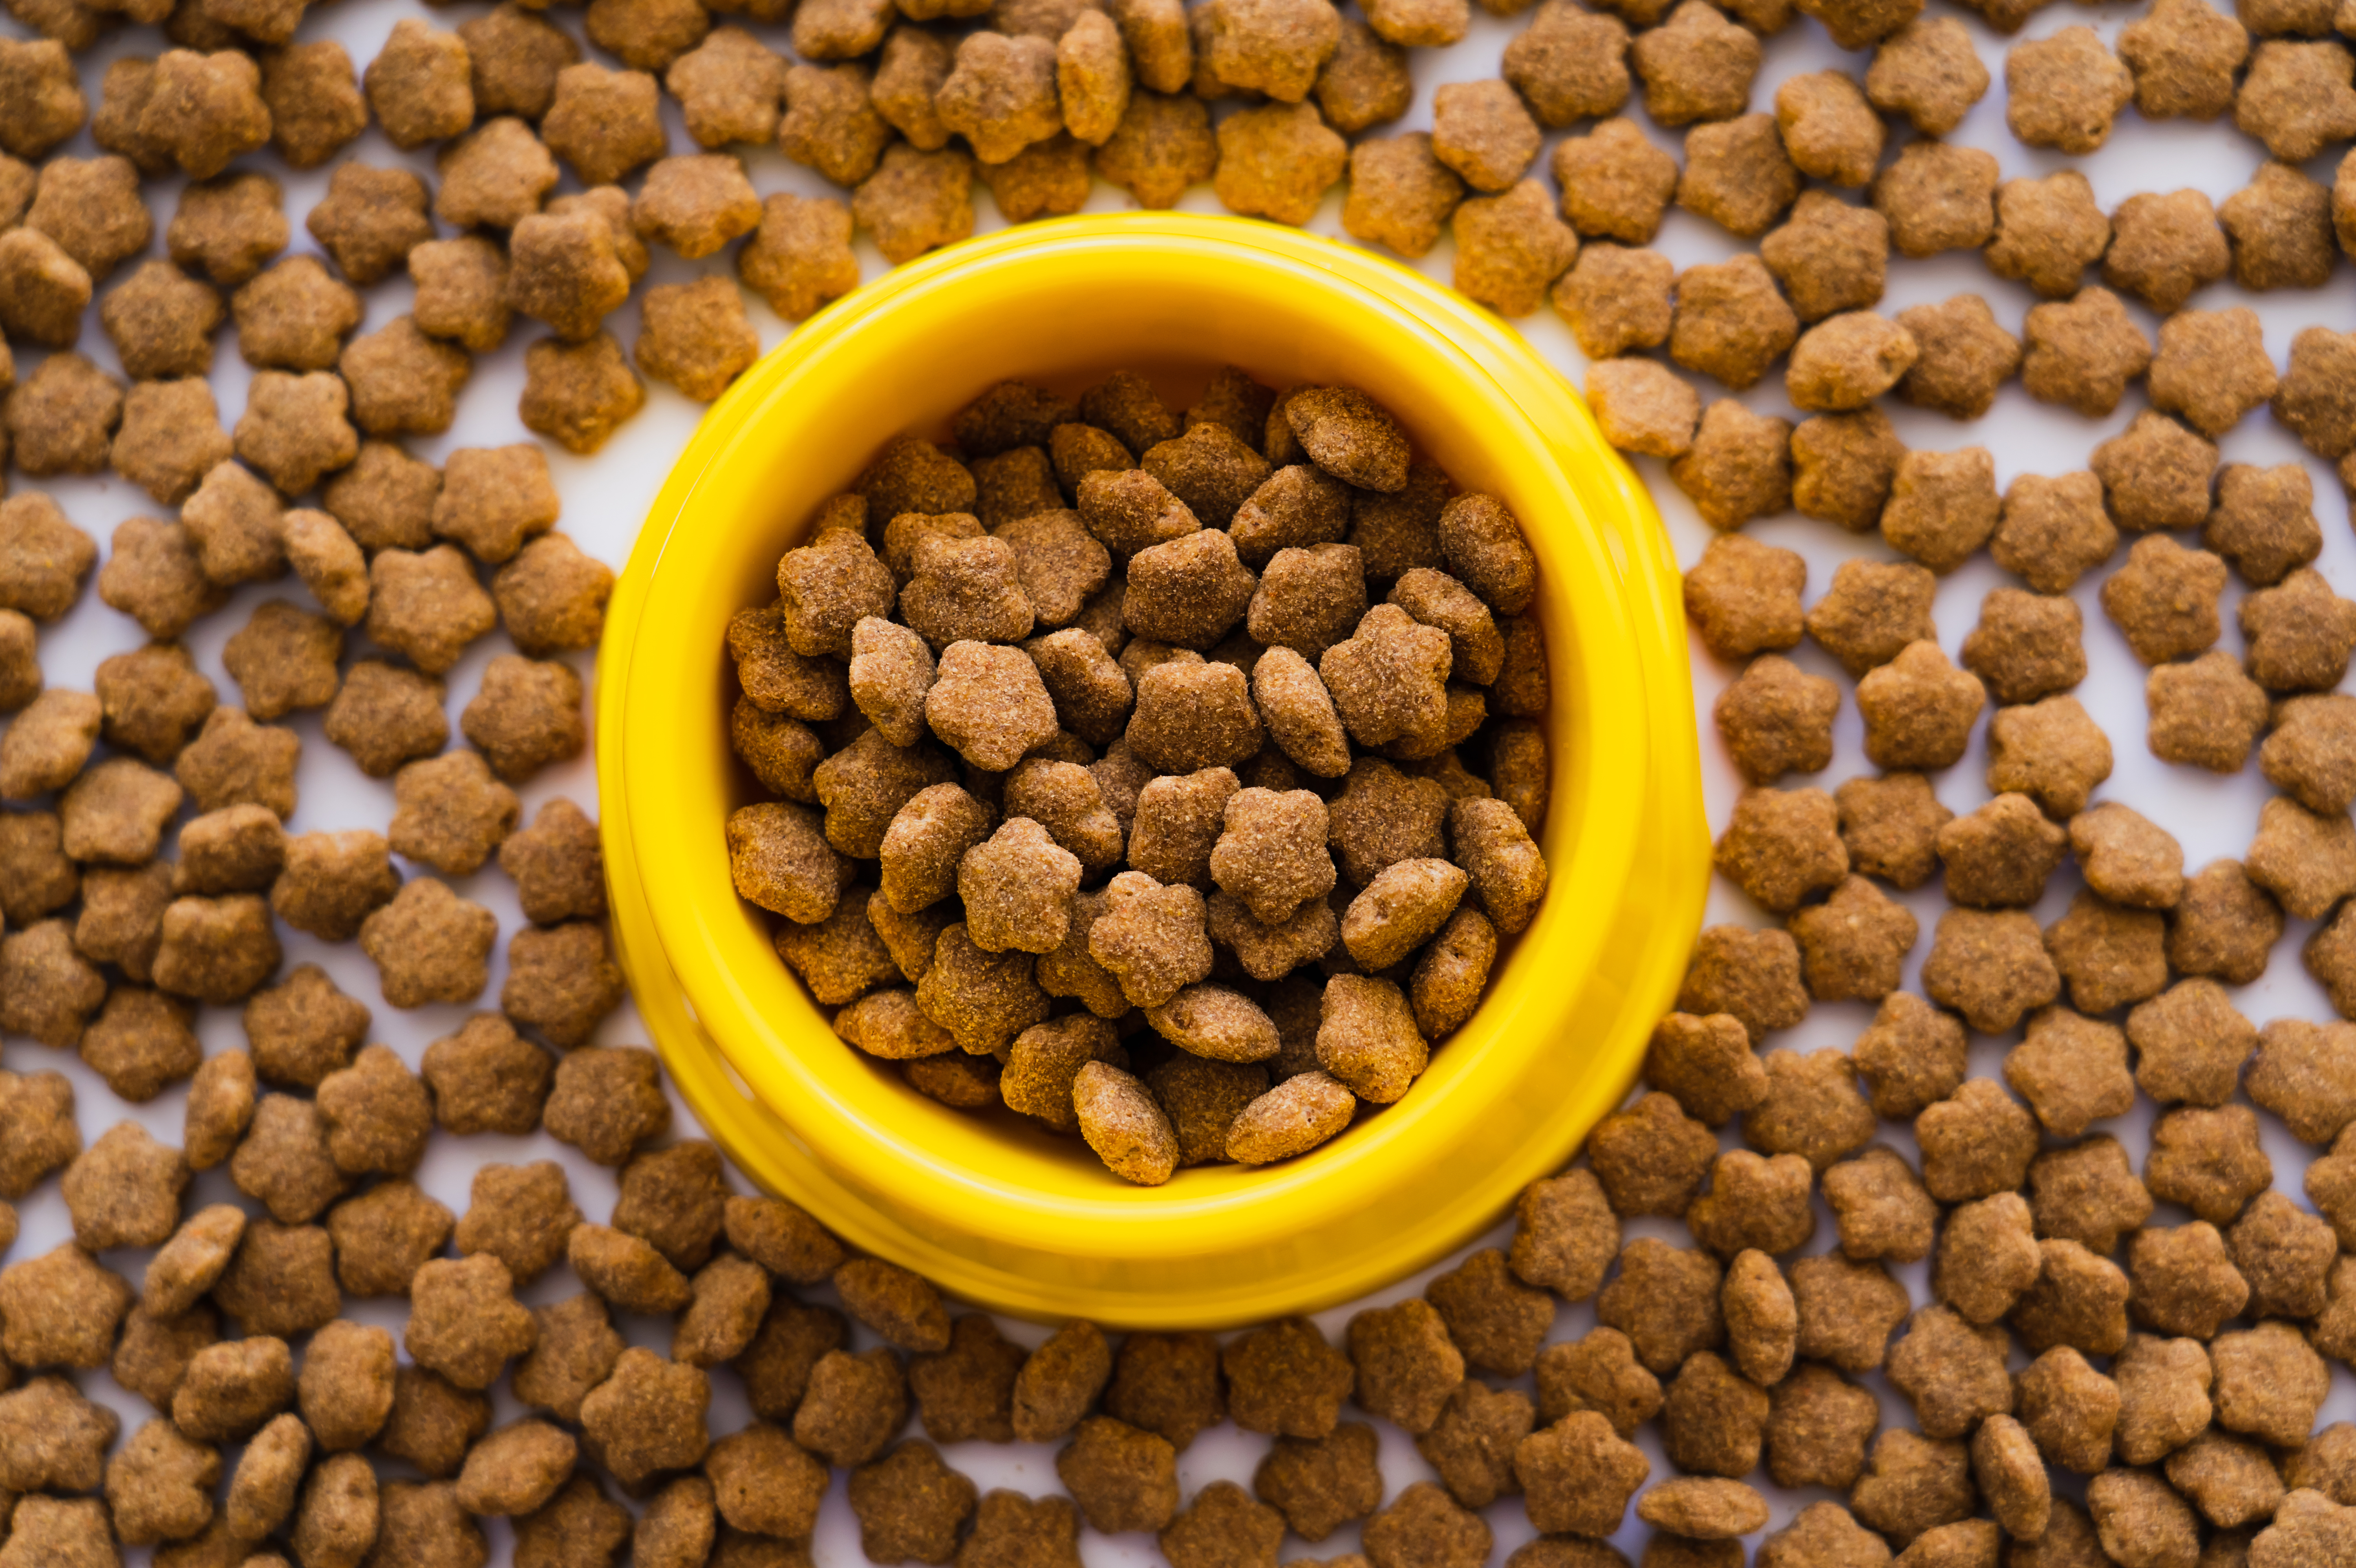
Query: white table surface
pixel 607 496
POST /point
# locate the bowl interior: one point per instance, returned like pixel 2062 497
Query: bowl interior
pixel 913 360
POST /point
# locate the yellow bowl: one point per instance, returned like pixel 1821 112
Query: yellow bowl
pixel 1020 1221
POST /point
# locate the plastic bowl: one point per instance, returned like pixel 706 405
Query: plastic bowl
pixel 1017 1220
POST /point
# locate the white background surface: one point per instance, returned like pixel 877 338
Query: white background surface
pixel 606 496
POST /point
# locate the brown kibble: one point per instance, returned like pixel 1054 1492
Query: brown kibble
pixel 429 944
pixel 2285 1254
pixel 2163 248
pixel 2229 1480
pixel 2048 232
pixel 333 882
pixel 2208 1159
pixel 370 220
pixel 48 744
pixel 377 1113
pixel 2311 399
pixel 2184 55
pixel 220 1103
pixel 43 291
pixel 1846 361
pixel 1854 944
pixel 2301 857
pixel 233 1388
pixel 2140 1518
pixel 2295 98
pixel 1963 357
pixel 284 1162
pixel 450 814
pixel 562 981
pixel 2297 633
pixel 2280 225
pixel 851 1408
pixel 1976 1143
pixel 1616 298
pixel 150 699
pixel 1122 1478
pixel 420 85
pixel 1782 846
pixel 1406 1364
pixel 227 227
pixel 1511 247
pixel 2157 477
pixel 1777 719
pixel 1990 967
pixel 2264 521
pixel 1937 196
pixel 575 1349
pixel 1697 65
pixel 1919 710
pixel 2026 646
pixel 162 323
pixel 1828 128
pixel 2206 712
pixel 464 1322
pixel 1598 1372
pixel 1615 184
pixel 729 87
pixel 1744 597
pixel 61 419
pixel 1754 1203
pixel 1286 1381
pixel 1665 1300
pixel 153 572
pixel 43 1135
pixel 2163 1392
pixel 1879 1208
pixel 283 660
pixel 493 176
pixel 522 1215
pixel 1753 975
pixel 2082 353
pixel 1017 888
pixel 578 394
pixel 1732 322
pixel 1739 466
pixel 1736 175
pixel 2052 531
pixel 1703 1508
pixel 527 716
pixel 46 105
pixel 1707 1064
pixel 2270 1382
pixel 2089 1195
pixel 114 814
pixel 650 1416
pixel 564 271
pixel 1400 194
pixel 1853 470
pixel 696 204
pixel 1872 613
pixel 1913 1485
pixel 910 1506
pixel 2071 1069
pixel 1471 1445
pixel 2062 90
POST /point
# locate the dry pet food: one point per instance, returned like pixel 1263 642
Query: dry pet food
pixel 941 632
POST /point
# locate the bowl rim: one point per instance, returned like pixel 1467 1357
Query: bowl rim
pixel 700 927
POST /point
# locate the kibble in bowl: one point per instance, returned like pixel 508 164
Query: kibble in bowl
pixel 1009 602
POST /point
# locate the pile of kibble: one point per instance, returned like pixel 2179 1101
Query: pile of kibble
pixel 2164 1411
pixel 1258 720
